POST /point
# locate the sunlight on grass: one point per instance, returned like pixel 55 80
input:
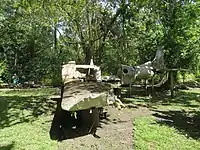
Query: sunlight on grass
pixel 185 100
pixel 25 119
pixel 149 135
pixel 34 135
pixel 29 92
pixel 174 124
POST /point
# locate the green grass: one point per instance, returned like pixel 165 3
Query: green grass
pixel 174 124
pixel 184 100
pixel 26 116
pixel 25 119
pixel 150 135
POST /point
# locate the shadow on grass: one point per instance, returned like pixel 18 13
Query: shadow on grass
pixel 182 112
pixel 66 126
pixel 7 147
pixel 18 109
pixel 187 123
pixel 183 99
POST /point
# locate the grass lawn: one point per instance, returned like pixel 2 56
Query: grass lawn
pixel 26 116
pixel 174 124
pixel 25 119
pixel 150 135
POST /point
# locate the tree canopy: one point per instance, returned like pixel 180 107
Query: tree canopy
pixel 37 37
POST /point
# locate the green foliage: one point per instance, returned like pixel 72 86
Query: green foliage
pixel 185 76
pixel 37 37
pixel 3 71
pixel 2 68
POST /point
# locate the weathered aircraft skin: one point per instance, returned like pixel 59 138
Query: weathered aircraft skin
pixel 84 90
pixel 79 94
pixel 144 71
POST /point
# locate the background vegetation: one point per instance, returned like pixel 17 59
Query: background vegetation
pixel 36 37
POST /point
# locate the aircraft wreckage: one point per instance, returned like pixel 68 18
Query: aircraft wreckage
pixel 84 94
pixel 83 87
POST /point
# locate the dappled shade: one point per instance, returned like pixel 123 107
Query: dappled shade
pixel 15 109
pixel 187 123
pixel 7 147
pixel 182 99
pixel 66 126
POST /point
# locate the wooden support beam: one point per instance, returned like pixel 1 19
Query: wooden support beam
pixel 177 69
pixel 145 86
pixel 172 84
pixel 152 85
pixel 130 90
pixel 87 67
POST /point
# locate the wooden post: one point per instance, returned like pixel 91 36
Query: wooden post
pixel 129 89
pixel 172 84
pixel 145 86
pixel 152 85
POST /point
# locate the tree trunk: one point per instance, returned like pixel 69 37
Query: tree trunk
pixel 87 52
pixel 167 84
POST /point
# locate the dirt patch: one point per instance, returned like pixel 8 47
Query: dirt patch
pixel 116 132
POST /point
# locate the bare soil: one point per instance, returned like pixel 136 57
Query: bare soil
pixel 116 132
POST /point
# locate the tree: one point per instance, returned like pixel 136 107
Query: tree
pixel 38 36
